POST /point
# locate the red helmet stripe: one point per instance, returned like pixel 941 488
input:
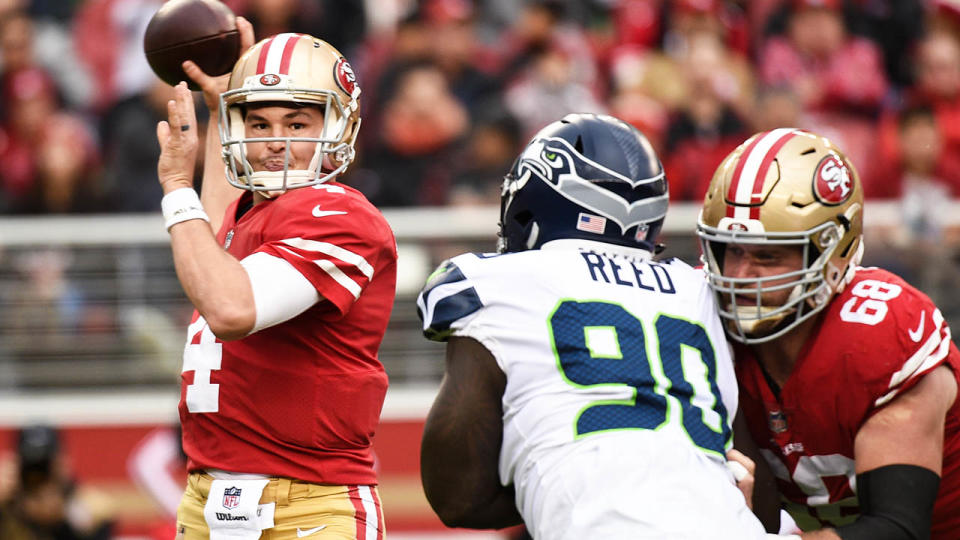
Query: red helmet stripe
pixel 734 184
pixel 746 186
pixel 735 181
pixel 276 53
pixel 262 61
pixel 288 54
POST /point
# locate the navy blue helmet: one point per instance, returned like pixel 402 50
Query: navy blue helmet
pixel 587 176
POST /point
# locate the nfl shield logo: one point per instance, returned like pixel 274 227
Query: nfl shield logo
pixel 777 422
pixel 231 498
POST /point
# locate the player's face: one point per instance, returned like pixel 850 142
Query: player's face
pixel 281 121
pixel 748 261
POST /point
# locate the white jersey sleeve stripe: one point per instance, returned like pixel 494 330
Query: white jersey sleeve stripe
pixel 331 269
pixel 333 251
pixel 280 291
pixel 930 345
pixel 933 351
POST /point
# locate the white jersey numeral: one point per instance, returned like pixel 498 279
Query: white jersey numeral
pixel 202 358
pixel 873 307
pixel 808 475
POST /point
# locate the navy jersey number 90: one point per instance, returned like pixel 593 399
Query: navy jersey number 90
pixel 600 343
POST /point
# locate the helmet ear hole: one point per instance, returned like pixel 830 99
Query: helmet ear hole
pixel 523 218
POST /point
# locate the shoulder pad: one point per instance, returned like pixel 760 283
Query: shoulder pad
pixel 447 297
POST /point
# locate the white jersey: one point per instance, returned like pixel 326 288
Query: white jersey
pixel 620 389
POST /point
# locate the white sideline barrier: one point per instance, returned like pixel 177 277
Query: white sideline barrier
pixel 409 224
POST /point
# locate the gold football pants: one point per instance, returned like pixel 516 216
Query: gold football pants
pixel 303 510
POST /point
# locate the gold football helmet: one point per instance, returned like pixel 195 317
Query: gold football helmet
pixel 298 69
pixel 782 187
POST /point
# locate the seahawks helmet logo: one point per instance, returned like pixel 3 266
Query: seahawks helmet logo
pixel 554 161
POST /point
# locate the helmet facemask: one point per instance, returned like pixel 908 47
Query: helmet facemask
pixel 809 286
pixel 333 151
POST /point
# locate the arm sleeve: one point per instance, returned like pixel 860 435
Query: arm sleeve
pixel 280 292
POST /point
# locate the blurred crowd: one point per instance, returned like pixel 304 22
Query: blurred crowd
pixel 452 88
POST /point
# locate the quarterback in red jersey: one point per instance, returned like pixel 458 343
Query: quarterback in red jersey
pixel 848 375
pixel 281 387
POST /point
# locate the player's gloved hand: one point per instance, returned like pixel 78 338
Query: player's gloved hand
pixel 214 86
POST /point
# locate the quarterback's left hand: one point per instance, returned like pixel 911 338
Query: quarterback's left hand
pixel 178 142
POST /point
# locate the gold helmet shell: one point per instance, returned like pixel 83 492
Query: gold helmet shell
pixel 782 187
pixel 301 70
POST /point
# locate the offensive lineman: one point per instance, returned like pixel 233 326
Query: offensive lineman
pixel 848 376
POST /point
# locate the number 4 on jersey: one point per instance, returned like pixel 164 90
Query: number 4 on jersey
pixel 202 355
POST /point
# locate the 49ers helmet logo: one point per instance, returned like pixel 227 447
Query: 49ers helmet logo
pixel 832 182
pixel 343 74
pixel 270 79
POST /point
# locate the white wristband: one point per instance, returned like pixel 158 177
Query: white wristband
pixel 180 205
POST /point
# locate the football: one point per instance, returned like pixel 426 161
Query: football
pixel 204 31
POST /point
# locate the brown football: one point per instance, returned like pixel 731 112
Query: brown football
pixel 204 31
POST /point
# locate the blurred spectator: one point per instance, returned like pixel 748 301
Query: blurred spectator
pixel 422 123
pixel 44 504
pixel 920 179
pixel 490 150
pixel 826 67
pixel 938 85
pixel 49 304
pixel 341 24
pixel 548 89
pixel 456 51
pixel 776 107
pixel 707 127
pixel 542 29
pixel 26 42
pixel 651 85
pixel 49 154
pixel 379 61
pixel 689 18
pixel 896 26
pixel 108 37
pixel 637 23
pixel 130 171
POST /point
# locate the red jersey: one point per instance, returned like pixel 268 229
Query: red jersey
pixel 875 340
pixel 300 399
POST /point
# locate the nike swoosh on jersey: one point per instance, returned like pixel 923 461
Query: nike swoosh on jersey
pixel 301 533
pixel 915 335
pixel 317 212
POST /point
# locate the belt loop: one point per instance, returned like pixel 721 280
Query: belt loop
pixel 283 491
